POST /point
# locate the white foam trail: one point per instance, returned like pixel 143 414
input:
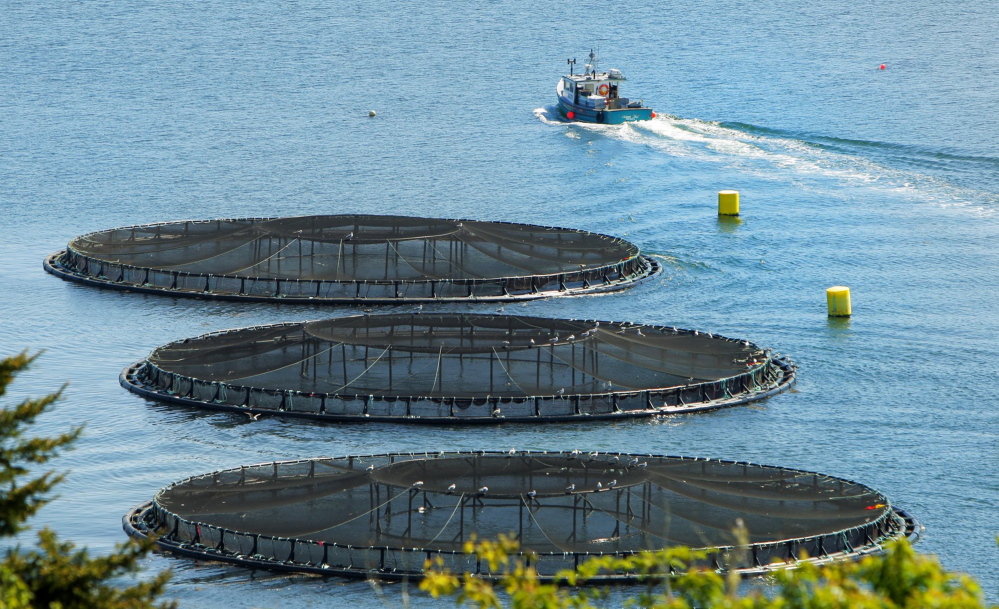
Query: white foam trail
pixel 774 158
pixel 548 115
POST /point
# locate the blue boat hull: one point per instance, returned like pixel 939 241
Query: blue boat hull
pixel 604 117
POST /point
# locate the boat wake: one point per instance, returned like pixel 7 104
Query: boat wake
pixel 808 159
pixel 549 115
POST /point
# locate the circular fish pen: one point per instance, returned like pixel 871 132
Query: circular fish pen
pixel 468 368
pixel 385 515
pixel 352 259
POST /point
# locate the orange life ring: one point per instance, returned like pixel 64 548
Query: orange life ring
pixel 603 89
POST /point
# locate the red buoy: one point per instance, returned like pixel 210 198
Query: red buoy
pixel 653 115
pixel 570 115
pixel 883 66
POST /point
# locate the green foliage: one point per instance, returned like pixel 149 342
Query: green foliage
pixel 898 579
pixel 56 575
pixel 17 453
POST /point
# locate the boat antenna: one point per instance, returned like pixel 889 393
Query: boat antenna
pixel 571 62
pixel 593 61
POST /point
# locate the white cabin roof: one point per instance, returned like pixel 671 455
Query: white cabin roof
pixel 599 77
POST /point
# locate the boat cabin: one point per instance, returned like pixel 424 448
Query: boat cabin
pixel 594 89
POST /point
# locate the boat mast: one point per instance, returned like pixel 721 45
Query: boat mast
pixel 571 62
pixel 592 66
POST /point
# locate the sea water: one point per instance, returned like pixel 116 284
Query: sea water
pixel 886 181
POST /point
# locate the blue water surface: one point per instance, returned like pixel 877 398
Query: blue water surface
pixel 886 181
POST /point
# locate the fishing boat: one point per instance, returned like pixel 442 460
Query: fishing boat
pixel 594 97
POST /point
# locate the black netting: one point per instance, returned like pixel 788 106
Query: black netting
pixel 460 366
pixel 392 512
pixel 352 257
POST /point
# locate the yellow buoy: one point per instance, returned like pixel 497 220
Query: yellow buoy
pixel 838 301
pixel 728 202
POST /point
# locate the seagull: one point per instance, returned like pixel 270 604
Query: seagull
pixel 640 332
pixel 696 333
pixel 612 484
pixel 599 486
pixel 532 493
pixel 553 340
pixel 642 464
pixel 349 236
pixel 451 488
pixel 254 417
pixel 483 490
pixel 419 308
pixel 633 462
pixel 621 331
pixel 570 488
pixel 496 412
pixel 418 484
pixel 596 324
pixel 370 468
pixel 501 309
pixel 571 338
pixel 532 341
pixel 615 459
pixel 512 451
pixel 561 391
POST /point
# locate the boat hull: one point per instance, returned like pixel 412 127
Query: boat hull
pixel 603 117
